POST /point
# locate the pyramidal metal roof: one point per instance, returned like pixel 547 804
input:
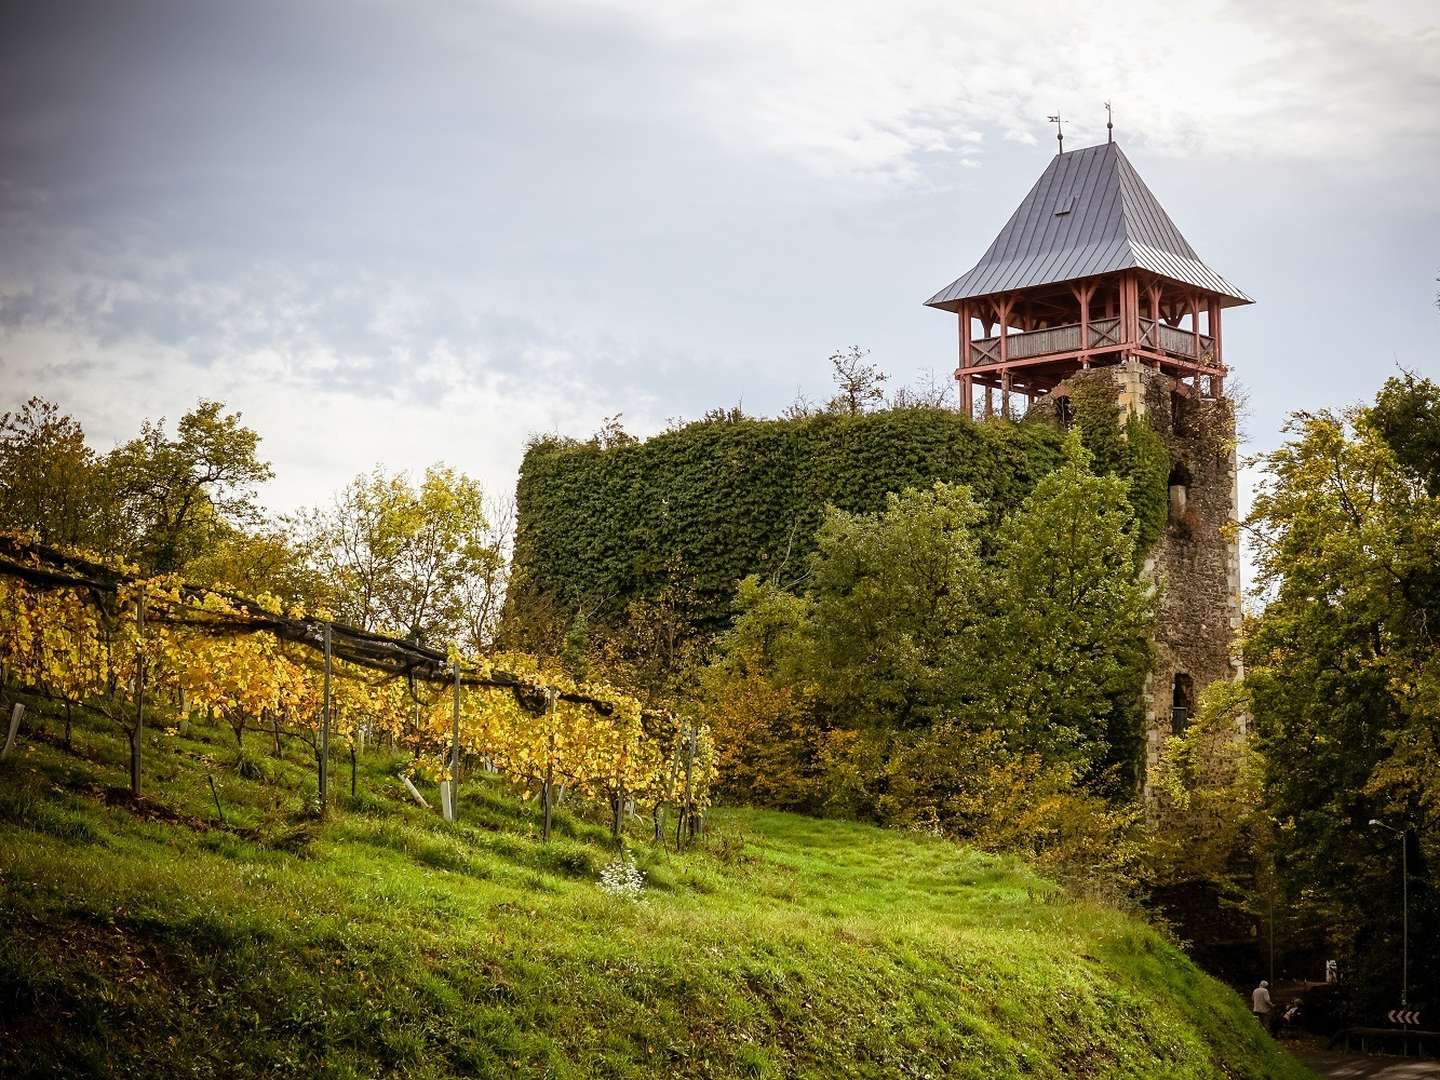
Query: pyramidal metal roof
pixel 1089 213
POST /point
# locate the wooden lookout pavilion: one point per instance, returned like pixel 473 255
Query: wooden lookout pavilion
pixel 1089 271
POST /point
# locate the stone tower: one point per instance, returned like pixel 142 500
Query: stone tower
pixel 1091 284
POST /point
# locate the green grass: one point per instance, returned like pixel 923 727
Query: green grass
pixel 152 941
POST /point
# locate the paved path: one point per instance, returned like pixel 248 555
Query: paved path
pixel 1334 1065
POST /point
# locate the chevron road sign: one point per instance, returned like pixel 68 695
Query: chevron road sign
pixel 1404 1016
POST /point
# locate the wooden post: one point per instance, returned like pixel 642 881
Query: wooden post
pixel 989 401
pixel 16 714
pixel 687 811
pixel 218 808
pixel 455 750
pixel 1004 310
pixel 139 732
pixel 546 790
pixel 966 384
pixel 1084 292
pixel 1005 394
pixel 1195 337
pixel 1217 382
pixel 325 730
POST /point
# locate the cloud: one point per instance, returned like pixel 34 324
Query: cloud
pixel 401 234
pixel 858 88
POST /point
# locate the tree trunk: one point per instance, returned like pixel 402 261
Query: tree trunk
pixel 134 737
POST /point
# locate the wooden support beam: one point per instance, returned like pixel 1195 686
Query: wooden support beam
pixel 966 389
pixel 1214 329
pixel 1195 331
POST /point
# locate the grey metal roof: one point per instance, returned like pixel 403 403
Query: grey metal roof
pixel 1113 223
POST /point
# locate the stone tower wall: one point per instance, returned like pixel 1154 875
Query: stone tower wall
pixel 1196 562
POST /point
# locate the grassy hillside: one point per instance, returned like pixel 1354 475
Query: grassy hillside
pixel 152 940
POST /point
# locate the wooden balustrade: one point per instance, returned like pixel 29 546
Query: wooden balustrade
pixel 1103 333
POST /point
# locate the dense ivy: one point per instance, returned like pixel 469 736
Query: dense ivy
pixel 721 499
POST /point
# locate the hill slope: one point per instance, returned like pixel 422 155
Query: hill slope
pixel 152 940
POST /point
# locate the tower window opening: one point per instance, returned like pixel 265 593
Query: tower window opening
pixel 1178 413
pixel 1182 702
pixel 1179 484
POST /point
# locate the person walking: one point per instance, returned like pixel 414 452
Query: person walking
pixel 1261 1005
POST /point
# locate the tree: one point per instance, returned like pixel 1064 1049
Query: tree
pixel 895 608
pixel 264 561
pixel 407 559
pixel 928 392
pixel 1343 668
pixel 913 681
pixel 1068 648
pixel 178 496
pixel 1406 414
pixel 861 385
pixel 50 481
pixel 482 590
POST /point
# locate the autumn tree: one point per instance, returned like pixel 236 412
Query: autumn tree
pixel 51 483
pixel 178 495
pixel 421 561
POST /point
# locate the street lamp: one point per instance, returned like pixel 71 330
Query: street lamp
pixel 1404 908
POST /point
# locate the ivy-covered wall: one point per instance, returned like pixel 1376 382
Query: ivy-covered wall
pixel 717 500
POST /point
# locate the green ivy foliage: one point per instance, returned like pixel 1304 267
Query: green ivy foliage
pixel 726 498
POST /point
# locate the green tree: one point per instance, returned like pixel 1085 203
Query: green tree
pixel 904 647
pixel 1344 674
pixel 1406 414
pixel 176 497
pixel 895 608
pixel 1067 649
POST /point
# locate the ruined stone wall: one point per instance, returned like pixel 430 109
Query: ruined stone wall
pixel 1196 561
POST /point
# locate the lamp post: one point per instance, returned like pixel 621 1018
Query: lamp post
pixel 1404 908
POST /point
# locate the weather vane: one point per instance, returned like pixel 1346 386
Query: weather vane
pixel 1109 124
pixel 1059 131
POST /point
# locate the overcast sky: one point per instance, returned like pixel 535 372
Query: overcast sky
pixel 402 233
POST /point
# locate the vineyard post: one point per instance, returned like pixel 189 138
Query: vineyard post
pixel 325 728
pixel 455 749
pixel 139 731
pixel 546 787
pixel 17 712
pixel 685 815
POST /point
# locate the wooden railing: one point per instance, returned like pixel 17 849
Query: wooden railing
pixel 1176 342
pixel 1053 339
pixel 1103 333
